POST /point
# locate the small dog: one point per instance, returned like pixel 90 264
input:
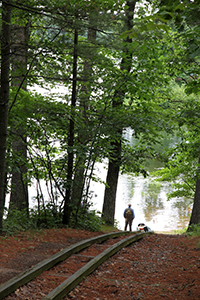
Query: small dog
pixel 143 227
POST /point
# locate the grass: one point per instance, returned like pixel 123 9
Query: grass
pixel 107 228
pixel 193 230
pixel 168 232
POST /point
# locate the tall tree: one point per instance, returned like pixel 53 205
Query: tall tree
pixel 69 181
pixel 4 97
pixel 83 132
pixel 19 185
pixel 115 155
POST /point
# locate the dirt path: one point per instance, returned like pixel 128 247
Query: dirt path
pixel 161 266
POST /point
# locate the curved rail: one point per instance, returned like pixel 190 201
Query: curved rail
pixel 26 276
pixel 64 288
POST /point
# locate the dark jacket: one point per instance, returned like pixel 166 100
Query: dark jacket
pixel 131 210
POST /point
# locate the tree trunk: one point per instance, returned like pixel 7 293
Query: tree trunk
pixel 83 134
pixel 4 98
pixel 19 186
pixel 68 191
pixel 108 211
pixel 111 188
pixel 195 217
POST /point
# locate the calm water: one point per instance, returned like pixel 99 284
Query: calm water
pixel 147 196
pixel 148 199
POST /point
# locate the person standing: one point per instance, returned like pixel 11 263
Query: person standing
pixel 129 216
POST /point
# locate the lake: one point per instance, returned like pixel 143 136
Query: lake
pixel 147 196
pixel 149 201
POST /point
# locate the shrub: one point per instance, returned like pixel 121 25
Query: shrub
pixel 88 220
pixel 48 217
pixel 194 230
pixel 16 220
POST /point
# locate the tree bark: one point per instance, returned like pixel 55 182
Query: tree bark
pixel 195 217
pixel 108 210
pixel 19 186
pixel 83 136
pixel 4 98
pixel 68 191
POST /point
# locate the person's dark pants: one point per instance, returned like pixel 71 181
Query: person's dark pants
pixel 128 222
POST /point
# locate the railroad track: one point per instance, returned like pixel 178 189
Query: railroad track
pixel 104 246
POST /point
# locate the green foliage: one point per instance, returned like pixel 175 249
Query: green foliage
pixel 48 217
pixel 89 221
pixel 180 169
pixel 86 218
pixel 181 160
pixel 193 230
pixel 107 228
pixel 16 221
pixel 180 231
pixel 150 105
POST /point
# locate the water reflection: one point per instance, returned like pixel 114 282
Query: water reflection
pixel 151 201
pixel 183 207
pixel 151 205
